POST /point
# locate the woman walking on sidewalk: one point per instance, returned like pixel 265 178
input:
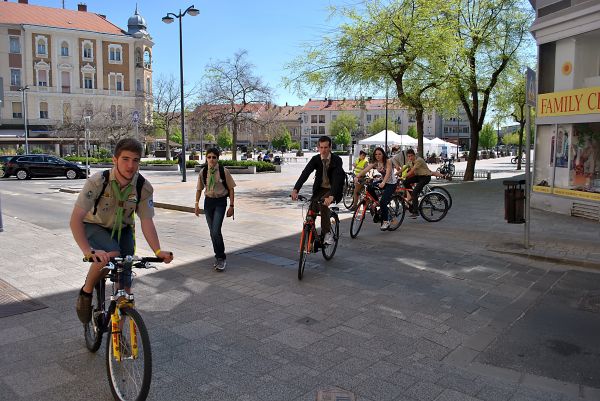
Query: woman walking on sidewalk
pixel 218 185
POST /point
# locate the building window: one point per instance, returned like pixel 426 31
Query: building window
pixel 313 119
pixel 334 117
pixel 119 113
pixel 43 110
pixel 41 43
pixel 314 130
pixel 66 112
pixel 17 110
pixel 138 85
pixel 64 49
pixel 88 82
pixel 15 44
pixel 147 59
pixel 138 57
pixel 321 130
pixel 65 77
pixel 114 54
pixel 42 78
pixel 321 119
pixel 15 77
pixel 88 50
pixel 148 86
pixel 368 118
pixel 115 83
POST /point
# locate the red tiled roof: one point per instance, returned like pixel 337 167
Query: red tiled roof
pixel 28 14
pixel 349 104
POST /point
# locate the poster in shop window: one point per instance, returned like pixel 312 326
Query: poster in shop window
pixel 562 148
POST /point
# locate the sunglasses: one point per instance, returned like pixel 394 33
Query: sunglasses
pixel 211 157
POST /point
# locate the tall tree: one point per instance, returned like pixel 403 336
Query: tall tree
pixel 403 43
pixel 490 33
pixel 343 138
pixel 346 121
pixel 379 125
pixel 232 83
pixel 488 138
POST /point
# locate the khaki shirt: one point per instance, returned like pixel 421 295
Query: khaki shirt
pixel 107 206
pixel 219 190
pixel 421 167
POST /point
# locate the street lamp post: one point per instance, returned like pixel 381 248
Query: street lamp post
pixel 23 90
pixel 86 121
pixel 457 131
pixel 167 19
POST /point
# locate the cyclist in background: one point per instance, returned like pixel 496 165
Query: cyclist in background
pixel 384 166
pixel 106 228
pixel 359 166
pixel 400 162
pixel 328 184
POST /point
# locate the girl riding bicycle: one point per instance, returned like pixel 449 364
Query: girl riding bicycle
pixel 384 166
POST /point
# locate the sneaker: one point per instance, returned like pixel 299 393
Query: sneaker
pixel 328 240
pixel 220 265
pixel 384 226
pixel 83 306
pixel 413 215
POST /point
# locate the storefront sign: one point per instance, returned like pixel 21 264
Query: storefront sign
pixel 577 101
pixel 568 192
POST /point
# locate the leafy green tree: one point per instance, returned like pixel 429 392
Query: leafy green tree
pixel 379 125
pixel 405 44
pixel 295 145
pixel 412 132
pixel 344 122
pixel 224 139
pixel 283 141
pixel 343 138
pixel 176 136
pixel 209 138
pixel 488 137
pixel 511 139
pixel 490 33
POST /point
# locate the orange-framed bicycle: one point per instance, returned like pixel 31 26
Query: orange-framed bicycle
pixel 310 240
pixel 369 203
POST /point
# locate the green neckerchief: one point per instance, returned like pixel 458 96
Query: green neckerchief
pixel 121 198
pixel 211 179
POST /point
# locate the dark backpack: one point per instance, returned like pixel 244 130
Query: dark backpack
pixel 221 173
pixel 138 189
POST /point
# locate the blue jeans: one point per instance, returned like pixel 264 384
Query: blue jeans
pixel 214 210
pixel 388 191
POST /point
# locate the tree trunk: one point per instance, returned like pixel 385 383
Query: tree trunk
pixel 167 140
pixel 419 117
pixel 234 141
pixel 470 170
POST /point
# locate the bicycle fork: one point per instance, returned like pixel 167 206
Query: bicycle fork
pixel 116 334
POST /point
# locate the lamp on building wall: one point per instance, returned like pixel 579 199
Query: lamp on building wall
pixel 23 91
pixel 167 19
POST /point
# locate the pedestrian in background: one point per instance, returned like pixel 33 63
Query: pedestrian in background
pixel 181 161
pixel 218 185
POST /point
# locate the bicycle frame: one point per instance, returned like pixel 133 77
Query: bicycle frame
pixel 309 224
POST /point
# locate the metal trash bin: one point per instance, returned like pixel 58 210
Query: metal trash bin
pixel 514 201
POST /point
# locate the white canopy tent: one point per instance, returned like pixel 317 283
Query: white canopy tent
pixel 439 147
pixel 392 139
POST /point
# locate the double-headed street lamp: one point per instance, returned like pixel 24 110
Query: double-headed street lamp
pixel 23 90
pixel 170 17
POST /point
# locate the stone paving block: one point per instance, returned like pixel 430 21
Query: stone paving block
pixel 38 379
pixel 461 384
pixel 256 365
pixel 453 395
pixel 14 334
pixel 533 394
pixel 195 329
pixel 296 337
pixel 424 391
pixel 377 389
pixel 495 393
pixel 401 379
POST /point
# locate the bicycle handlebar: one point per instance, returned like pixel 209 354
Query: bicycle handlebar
pixel 137 260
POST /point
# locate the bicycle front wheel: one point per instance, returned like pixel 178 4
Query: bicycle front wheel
pixel 396 213
pixel 358 218
pixel 93 330
pixel 130 372
pixel 445 192
pixel 304 251
pixel 433 207
pixel 347 193
pixel 329 250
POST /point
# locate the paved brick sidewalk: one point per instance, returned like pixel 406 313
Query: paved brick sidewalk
pixel 418 314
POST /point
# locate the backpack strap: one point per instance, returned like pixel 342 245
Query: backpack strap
pixel 106 176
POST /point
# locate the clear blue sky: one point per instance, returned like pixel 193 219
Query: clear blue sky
pixel 272 31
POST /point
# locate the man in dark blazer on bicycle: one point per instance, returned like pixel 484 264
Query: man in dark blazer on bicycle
pixel 328 184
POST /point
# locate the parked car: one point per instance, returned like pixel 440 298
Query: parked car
pixel 3 161
pixel 30 166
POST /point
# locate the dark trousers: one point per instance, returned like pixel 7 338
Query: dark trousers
pixel 421 181
pixel 214 210
pixel 325 221
pixel 386 195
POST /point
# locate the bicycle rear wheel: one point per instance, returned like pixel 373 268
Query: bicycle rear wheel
pixel 433 207
pixel 94 329
pixel 129 375
pixel 396 213
pixel 358 218
pixel 347 194
pixel 304 250
pixel 329 250
pixel 445 192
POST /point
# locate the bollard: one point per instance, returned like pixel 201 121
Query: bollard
pixel 489 175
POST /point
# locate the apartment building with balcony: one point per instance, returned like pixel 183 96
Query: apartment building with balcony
pixel 317 114
pixel 63 65
pixel 566 176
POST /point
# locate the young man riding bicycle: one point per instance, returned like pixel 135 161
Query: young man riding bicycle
pixel 328 184
pixel 102 221
pixel 420 175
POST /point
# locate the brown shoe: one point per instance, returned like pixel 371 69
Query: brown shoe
pixel 83 306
